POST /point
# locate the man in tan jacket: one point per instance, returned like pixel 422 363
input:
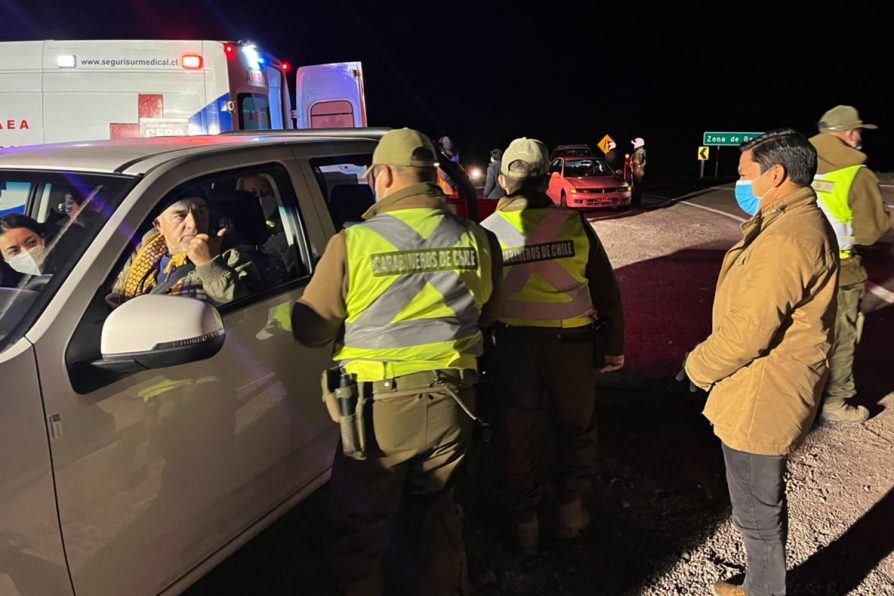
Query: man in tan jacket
pixel 849 195
pixel 766 359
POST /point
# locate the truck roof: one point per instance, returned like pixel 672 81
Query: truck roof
pixel 138 156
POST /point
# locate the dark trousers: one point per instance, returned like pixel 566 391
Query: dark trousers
pixel 757 492
pixel 421 440
pixel 533 365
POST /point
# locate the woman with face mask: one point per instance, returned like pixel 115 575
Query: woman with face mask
pixel 23 244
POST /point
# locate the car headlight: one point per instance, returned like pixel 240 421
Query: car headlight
pixel 574 191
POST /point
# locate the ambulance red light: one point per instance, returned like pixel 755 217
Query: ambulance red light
pixel 229 50
pixel 285 66
pixel 191 62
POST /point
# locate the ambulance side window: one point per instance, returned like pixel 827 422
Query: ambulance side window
pixel 254 111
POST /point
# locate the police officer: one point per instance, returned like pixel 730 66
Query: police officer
pixel 556 278
pixel 849 195
pixel 638 169
pixel 404 290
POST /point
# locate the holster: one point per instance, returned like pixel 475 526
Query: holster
pixel 352 426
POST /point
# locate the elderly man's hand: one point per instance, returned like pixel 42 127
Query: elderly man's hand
pixel 203 248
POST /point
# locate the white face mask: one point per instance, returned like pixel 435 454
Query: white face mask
pixel 28 262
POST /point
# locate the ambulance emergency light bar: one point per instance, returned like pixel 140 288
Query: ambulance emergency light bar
pixel 255 59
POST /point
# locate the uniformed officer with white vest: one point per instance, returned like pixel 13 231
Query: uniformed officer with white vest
pixel 848 193
pixel 403 293
pixel 557 280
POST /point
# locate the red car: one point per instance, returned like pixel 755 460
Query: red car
pixel 586 183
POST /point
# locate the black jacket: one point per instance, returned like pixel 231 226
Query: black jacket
pixel 492 188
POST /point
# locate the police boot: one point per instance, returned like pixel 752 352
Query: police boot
pixel 526 535
pixel 835 412
pixel 573 518
pixel 722 588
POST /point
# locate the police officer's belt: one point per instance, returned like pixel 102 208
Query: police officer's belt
pixel 426 379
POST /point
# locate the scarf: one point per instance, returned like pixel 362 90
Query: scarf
pixel 143 274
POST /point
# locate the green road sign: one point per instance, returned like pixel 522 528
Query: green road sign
pixel 728 139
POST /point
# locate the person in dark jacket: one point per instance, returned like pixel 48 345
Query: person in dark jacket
pixel 492 188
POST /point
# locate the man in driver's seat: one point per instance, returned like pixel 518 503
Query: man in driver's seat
pixel 180 257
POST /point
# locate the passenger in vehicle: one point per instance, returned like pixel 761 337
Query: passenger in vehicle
pixel 181 257
pixel 23 244
pixel 276 244
pixel 35 251
pixel 260 187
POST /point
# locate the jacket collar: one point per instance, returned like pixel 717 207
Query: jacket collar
pixel 776 209
pixel 524 200
pixel 836 152
pixel 425 195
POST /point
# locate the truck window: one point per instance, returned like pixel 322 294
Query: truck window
pixel 54 237
pixel 13 196
pixel 344 188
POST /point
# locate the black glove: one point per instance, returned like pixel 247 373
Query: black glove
pixel 682 376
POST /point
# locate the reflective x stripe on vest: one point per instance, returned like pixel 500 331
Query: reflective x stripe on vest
pixel 549 251
pixel 832 190
pixel 409 302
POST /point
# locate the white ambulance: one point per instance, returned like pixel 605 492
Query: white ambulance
pixel 63 91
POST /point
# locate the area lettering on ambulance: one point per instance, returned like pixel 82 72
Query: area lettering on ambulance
pixel 14 124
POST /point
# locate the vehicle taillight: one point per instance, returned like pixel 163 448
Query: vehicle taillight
pixel 191 62
pixel 229 50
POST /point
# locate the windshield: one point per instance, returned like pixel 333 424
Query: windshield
pixel 579 168
pixel 47 220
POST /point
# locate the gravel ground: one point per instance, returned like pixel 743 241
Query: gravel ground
pixel 661 510
pixel 659 502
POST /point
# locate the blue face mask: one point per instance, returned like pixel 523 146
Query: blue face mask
pixel 748 201
pixel 745 197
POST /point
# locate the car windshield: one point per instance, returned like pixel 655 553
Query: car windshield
pixel 580 168
pixel 574 151
pixel 47 220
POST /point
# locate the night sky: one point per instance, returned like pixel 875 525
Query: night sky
pixel 485 73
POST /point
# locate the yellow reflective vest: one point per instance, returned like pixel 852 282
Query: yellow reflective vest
pixel 832 191
pixel 545 252
pixel 418 279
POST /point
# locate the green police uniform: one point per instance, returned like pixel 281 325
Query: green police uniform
pixel 849 195
pixel 556 278
pixel 405 289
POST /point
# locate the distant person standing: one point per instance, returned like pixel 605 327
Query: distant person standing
pixel 849 195
pixel 492 188
pixel 448 150
pixel 638 169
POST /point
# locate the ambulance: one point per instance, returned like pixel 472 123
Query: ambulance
pixel 85 90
